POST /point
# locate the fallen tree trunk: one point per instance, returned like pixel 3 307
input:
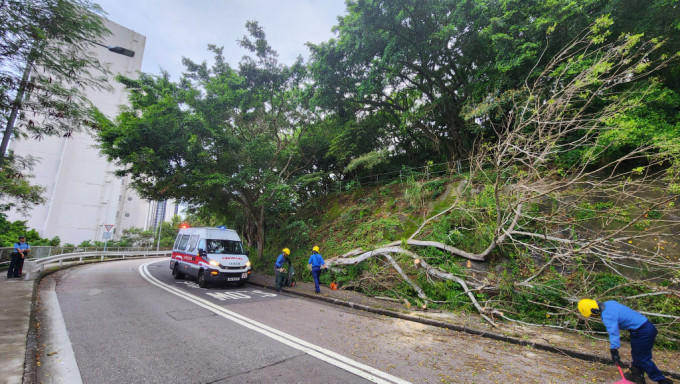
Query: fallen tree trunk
pixel 431 271
pixel 436 272
pixel 420 243
pixel 415 287
pixel 444 247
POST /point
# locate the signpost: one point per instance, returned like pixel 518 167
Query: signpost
pixel 107 234
pixel 160 228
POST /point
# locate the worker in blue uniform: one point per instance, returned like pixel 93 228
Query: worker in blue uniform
pixel 279 269
pixel 316 263
pixel 616 317
pixel 16 264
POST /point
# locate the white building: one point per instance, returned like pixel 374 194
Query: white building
pixel 85 200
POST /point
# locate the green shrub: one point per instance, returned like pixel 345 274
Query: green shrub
pixel 433 189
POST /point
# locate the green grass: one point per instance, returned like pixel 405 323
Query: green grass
pixel 370 217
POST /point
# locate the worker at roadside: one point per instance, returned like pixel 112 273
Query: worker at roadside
pixel 616 317
pixel 21 249
pixel 316 262
pixel 278 268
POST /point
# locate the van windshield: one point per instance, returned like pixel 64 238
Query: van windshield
pixel 225 247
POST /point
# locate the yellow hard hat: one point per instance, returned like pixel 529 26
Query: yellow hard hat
pixel 588 307
pixel 286 251
pixel 316 248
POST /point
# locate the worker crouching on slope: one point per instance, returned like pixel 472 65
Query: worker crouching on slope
pixel 278 267
pixel 316 263
pixel 617 316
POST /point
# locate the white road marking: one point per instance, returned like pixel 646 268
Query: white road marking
pixel 349 365
pixel 235 295
pixel 229 295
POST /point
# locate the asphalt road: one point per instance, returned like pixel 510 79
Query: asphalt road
pixel 131 322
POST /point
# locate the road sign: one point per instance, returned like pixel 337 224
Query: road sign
pixel 107 235
pixel 108 227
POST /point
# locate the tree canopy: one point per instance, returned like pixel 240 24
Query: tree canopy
pixel 45 65
pixel 422 66
pixel 219 135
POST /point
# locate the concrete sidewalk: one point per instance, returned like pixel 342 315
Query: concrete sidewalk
pixel 17 297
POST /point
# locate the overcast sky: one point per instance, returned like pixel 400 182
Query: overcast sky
pixel 184 28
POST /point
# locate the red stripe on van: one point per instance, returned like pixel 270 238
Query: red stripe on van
pixel 188 258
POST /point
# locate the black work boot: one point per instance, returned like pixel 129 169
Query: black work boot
pixel 665 381
pixel 636 375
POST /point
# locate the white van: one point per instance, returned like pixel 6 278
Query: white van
pixel 210 255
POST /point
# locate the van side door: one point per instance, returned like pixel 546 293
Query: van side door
pixel 186 266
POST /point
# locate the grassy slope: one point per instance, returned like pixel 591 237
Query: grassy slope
pixel 369 217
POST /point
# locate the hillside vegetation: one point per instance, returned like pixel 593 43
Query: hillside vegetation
pixel 513 283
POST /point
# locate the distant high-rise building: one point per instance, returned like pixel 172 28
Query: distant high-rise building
pixel 85 200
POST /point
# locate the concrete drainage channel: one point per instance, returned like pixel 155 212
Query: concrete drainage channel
pixel 458 328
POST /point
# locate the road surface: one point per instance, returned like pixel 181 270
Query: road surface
pixel 131 322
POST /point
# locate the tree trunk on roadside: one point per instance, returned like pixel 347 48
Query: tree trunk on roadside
pixel 457 132
pixel 16 107
pixel 260 235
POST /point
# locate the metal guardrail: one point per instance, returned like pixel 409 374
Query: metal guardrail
pixel 33 266
pixel 40 252
pixel 420 173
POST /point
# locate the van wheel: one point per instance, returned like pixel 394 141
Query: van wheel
pixel 202 282
pixel 176 273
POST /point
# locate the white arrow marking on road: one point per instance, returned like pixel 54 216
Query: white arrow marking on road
pixel 349 365
pixel 228 295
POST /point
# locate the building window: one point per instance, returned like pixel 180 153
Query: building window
pixel 127 215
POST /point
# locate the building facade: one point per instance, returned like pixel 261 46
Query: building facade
pixel 85 200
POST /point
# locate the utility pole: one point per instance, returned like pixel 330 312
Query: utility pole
pixel 160 228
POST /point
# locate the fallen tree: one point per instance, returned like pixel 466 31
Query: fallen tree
pixel 591 213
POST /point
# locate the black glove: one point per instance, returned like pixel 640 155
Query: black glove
pixel 615 356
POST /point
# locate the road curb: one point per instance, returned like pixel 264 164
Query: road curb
pixel 32 348
pixel 459 328
pixel 30 364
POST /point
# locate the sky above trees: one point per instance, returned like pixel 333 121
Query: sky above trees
pixel 177 28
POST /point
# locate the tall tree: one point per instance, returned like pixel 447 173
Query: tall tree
pixel 404 58
pixel 45 64
pixel 428 63
pixel 220 135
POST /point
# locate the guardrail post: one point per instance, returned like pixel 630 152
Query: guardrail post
pixel 102 258
pixel 61 262
pixel 80 260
